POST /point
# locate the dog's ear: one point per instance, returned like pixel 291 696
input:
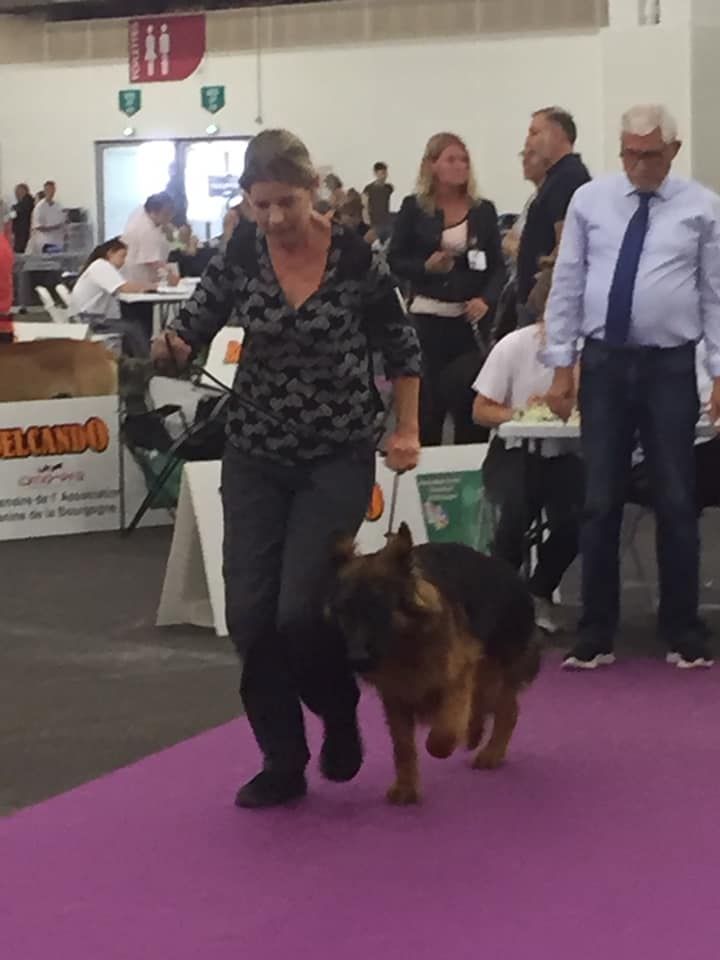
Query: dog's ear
pixel 405 536
pixel 399 546
pixel 343 550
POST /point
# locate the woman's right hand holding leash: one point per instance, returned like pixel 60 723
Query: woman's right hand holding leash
pixel 169 351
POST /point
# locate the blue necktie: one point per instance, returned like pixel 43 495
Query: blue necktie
pixel 620 299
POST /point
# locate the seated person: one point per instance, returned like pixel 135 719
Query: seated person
pixel 189 254
pixel 520 484
pixel 94 296
pixel 707 452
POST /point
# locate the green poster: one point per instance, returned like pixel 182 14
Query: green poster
pixel 130 102
pixel 455 509
pixel 212 98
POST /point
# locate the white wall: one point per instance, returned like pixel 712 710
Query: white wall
pixel 705 85
pixel 357 104
pixel 647 65
pixel 353 106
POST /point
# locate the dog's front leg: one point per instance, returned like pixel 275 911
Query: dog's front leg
pixel 492 756
pixel 401 723
pixel 450 723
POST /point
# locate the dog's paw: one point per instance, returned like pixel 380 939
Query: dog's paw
pixel 488 760
pixel 440 745
pixel 475 737
pixel 403 794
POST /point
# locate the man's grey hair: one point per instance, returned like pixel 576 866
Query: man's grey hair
pixel 644 119
pixel 561 118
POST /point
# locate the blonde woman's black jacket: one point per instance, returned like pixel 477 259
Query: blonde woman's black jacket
pixel 417 234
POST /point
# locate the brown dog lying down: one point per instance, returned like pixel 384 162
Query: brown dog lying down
pixel 447 636
pixel 46 369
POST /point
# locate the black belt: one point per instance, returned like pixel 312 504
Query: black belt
pixel 596 343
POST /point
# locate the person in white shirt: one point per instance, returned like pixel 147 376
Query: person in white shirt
pixel 94 296
pixel 48 223
pixel 147 240
pixel 148 251
pixel 520 483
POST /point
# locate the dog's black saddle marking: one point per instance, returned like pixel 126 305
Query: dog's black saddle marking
pixel 497 603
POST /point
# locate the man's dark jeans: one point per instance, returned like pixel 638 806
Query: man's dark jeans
pixel 650 392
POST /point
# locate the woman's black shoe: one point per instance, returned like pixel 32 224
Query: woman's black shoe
pixel 271 789
pixel 342 751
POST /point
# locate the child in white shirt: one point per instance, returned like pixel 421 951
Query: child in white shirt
pixel 519 483
pixel 94 296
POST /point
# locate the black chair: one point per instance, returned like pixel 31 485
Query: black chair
pixel 204 439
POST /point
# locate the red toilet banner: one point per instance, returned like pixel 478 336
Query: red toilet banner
pixel 163 49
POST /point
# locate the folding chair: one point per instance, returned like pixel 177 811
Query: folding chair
pixel 63 293
pixel 57 314
pixel 204 439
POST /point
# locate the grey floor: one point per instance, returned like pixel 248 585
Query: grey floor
pixel 89 684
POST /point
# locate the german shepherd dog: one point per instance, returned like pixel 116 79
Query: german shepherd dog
pixel 447 637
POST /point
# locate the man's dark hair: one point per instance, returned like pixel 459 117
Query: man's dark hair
pixel 49 183
pixel 379 167
pixel 158 201
pixel 563 119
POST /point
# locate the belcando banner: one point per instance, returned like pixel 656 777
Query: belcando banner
pixel 59 467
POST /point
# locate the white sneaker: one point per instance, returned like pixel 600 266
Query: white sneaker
pixel 546 616
pixel 690 661
pixel 572 662
pixel 587 655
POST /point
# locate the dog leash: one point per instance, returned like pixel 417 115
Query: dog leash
pixel 239 398
pixel 393 504
pixel 197 368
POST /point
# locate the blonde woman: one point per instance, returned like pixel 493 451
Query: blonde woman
pixel 446 246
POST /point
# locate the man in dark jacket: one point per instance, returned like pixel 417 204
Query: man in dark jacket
pixel 552 137
pixel 22 217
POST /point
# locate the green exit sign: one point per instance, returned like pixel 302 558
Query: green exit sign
pixel 130 102
pixel 213 98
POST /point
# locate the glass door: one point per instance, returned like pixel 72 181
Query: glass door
pixel 212 174
pixel 129 173
pixel 207 170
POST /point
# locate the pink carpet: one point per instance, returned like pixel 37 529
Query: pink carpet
pixel 600 839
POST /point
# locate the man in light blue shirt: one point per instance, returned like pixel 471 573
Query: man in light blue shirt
pixel 638 278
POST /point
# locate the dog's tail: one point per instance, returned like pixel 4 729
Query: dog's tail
pixel 526 667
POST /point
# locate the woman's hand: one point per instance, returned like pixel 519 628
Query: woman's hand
pixel 403 451
pixel 476 309
pixel 439 262
pixel 714 405
pixel 170 352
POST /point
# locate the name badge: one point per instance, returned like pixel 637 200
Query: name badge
pixel 477 260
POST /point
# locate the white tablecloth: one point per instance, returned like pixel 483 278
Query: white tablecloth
pixel 163 301
pixel 557 430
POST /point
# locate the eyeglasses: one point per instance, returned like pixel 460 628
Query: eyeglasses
pixel 633 157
